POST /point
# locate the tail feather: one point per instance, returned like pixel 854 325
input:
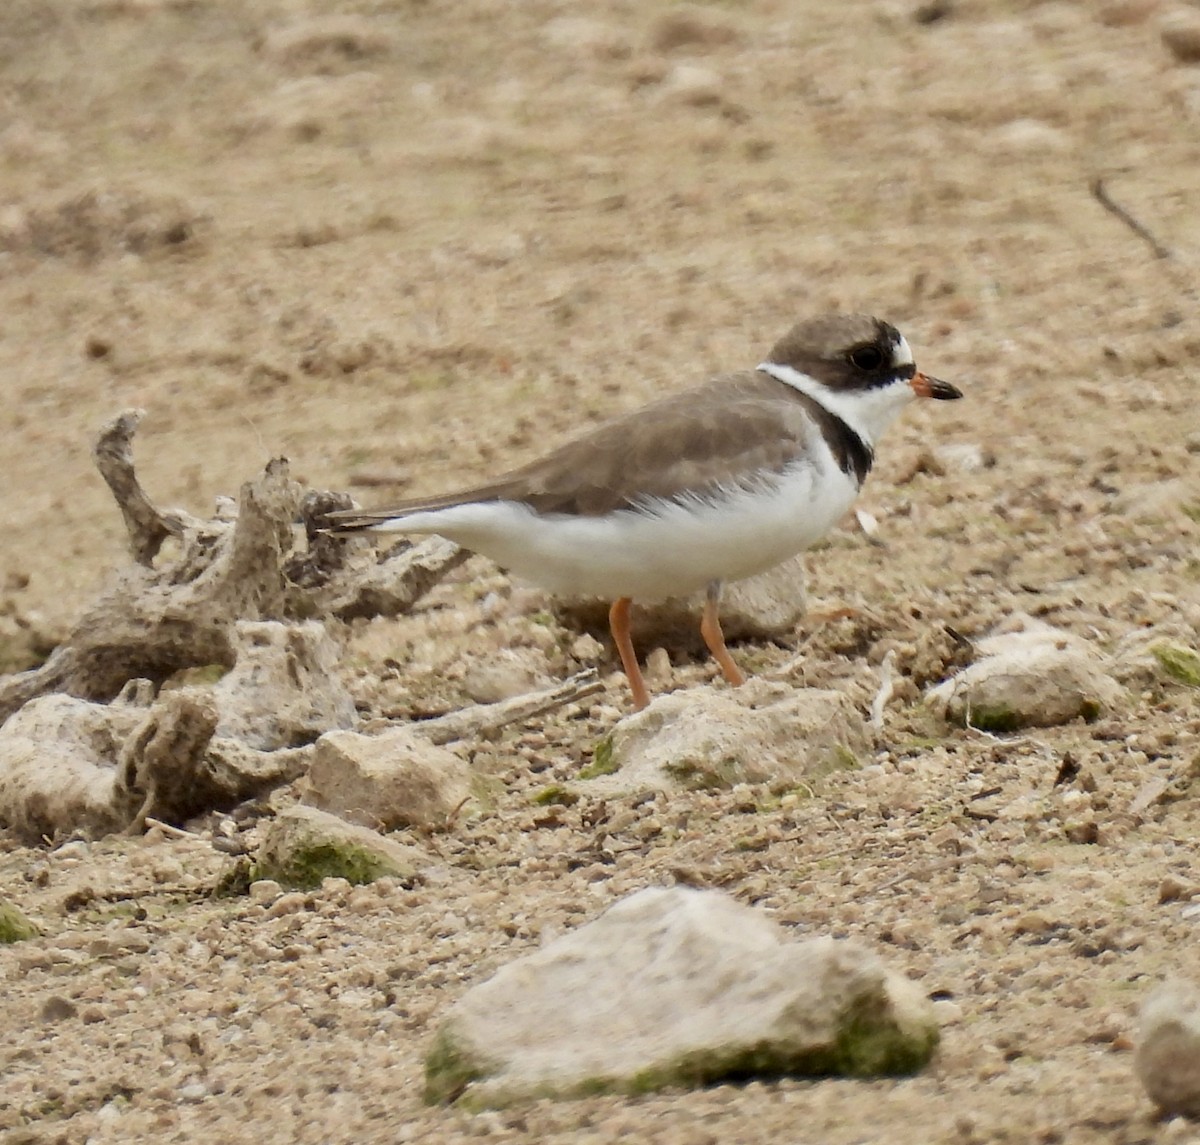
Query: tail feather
pixel 356 520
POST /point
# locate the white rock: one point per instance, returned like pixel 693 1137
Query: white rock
pixel 1038 676
pixel 715 738
pixel 946 1012
pixel 264 891
pixel 1168 1049
pixel 677 987
pixel 1147 657
pixel 962 457
pixel 396 778
pixel 658 667
pixel 869 524
pixel 692 84
pixel 586 649
pixel 58 766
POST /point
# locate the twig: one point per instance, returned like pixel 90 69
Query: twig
pixel 166 828
pixel 885 690
pixel 483 718
pixel 1101 195
pixel 800 654
pixel 923 871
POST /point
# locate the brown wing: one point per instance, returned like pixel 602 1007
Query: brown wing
pixel 690 443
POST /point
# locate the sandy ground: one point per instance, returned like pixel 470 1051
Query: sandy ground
pixel 411 242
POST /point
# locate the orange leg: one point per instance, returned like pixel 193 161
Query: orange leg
pixel 710 629
pixel 618 622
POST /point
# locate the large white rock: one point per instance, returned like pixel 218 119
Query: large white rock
pixel 58 766
pixel 716 737
pixel 1168 1049
pixel 1037 676
pixel 677 987
pixel 393 779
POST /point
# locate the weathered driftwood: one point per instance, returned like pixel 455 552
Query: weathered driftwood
pixel 153 621
pixel 163 615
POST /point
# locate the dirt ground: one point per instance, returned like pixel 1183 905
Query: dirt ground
pixel 408 244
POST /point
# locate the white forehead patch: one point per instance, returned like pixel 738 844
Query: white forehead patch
pixel 901 354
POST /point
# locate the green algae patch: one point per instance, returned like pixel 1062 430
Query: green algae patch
pixel 871 1045
pixel 993 718
pixel 843 759
pixel 306 866
pixel 555 796
pixel 697 774
pixel 865 1048
pixel 14 926
pixel 602 763
pixel 449 1069
pixel 1181 664
pixel 235 882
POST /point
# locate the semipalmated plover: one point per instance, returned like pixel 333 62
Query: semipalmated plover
pixel 710 485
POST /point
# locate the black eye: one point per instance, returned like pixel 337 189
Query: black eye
pixel 866 358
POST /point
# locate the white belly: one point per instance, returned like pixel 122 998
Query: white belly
pixel 667 549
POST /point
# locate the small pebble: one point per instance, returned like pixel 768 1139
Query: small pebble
pixel 1034 922
pixel 362 902
pixel 1168 1052
pixel 265 891
pixel 658 666
pixel 1172 889
pixel 289 903
pixel 587 649
pixel 1181 38
pixel 34 960
pixel 57 1008
pixel 947 1013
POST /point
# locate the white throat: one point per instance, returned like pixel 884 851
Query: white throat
pixel 867 412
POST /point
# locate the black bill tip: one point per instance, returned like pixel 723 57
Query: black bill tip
pixel 926 387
